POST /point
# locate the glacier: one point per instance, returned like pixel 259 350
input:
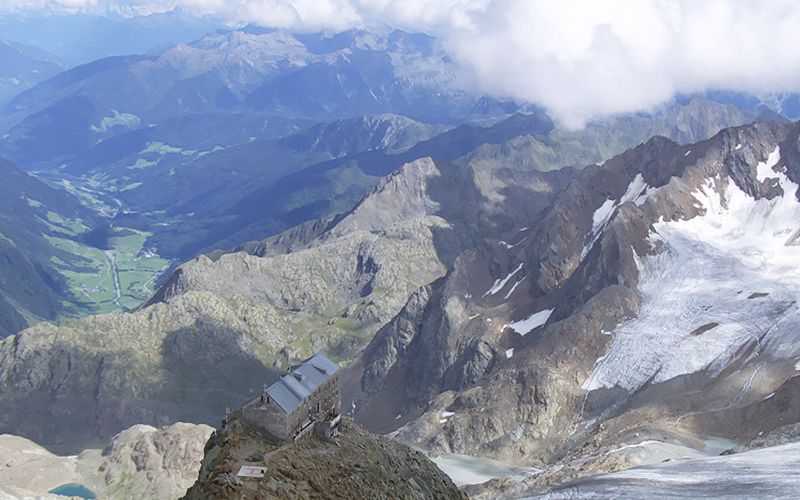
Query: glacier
pixel 724 280
pixel 761 473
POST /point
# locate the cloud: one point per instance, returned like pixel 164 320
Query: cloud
pixel 578 58
pixel 587 59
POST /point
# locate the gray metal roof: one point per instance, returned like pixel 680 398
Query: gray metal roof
pixel 293 388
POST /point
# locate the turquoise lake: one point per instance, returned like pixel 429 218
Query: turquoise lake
pixel 74 490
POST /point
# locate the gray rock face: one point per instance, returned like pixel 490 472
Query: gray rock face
pixel 391 341
pixel 68 385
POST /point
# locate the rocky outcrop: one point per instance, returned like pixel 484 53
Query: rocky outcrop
pixel 355 464
pixel 158 463
pixel 391 341
pixel 140 462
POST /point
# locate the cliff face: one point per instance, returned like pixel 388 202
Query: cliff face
pixel 355 464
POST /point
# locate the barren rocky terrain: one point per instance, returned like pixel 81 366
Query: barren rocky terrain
pixel 140 462
pixel 355 464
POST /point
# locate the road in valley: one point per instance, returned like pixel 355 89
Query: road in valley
pixel 112 263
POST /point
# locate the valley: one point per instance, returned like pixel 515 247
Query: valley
pixel 116 274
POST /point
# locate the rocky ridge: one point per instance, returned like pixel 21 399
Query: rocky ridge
pixel 355 464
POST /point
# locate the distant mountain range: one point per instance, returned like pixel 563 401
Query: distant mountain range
pixel 78 38
pixel 278 73
pixel 22 67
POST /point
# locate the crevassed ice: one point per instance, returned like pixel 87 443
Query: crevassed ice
pixel 710 268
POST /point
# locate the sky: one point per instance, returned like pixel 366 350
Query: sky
pixel 580 59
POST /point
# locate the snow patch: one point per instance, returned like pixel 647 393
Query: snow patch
pixel 127 120
pixel 688 153
pixel 447 414
pixel 764 168
pixel 637 192
pixel 509 246
pixel 738 147
pixel 601 216
pixel 535 320
pixel 510 353
pixel 516 284
pixel 635 189
pixel 500 283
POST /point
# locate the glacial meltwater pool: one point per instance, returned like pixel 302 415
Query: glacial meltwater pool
pixel 464 469
pixel 74 490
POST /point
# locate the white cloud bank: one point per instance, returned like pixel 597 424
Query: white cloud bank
pixel 578 58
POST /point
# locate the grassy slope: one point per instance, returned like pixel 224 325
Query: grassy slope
pixel 47 272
